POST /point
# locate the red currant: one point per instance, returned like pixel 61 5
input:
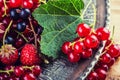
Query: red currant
pixel 92 76
pixel 78 47
pixel 111 62
pixel 66 47
pixel 29 76
pixel 15 3
pixel 103 33
pixel 87 53
pixel 101 73
pixel 105 58
pixel 91 41
pixel 83 30
pixel 113 50
pixel 36 70
pixel 18 71
pixel 27 4
pixel 73 57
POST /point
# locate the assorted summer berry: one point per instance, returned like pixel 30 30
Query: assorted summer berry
pixel 19 38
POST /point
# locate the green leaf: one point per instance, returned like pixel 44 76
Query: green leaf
pixel 59 19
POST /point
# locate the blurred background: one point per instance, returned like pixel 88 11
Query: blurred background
pixel 115 18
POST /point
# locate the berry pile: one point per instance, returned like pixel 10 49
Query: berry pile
pixel 110 53
pixel 20 72
pixel 89 40
pixel 19 40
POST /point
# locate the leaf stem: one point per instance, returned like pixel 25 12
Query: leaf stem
pixel 90 1
pixel 113 32
pixel 94 9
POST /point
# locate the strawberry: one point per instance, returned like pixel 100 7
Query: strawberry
pixel 8 54
pixel 29 55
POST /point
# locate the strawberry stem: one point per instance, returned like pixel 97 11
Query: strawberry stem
pixel 8 28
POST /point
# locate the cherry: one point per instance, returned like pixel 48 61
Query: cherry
pixel 27 4
pixel 66 47
pixel 15 3
pixel 105 58
pixel 73 57
pixel 87 53
pixel 103 33
pixel 113 50
pixel 78 47
pixel 92 76
pixel 29 76
pixel 91 41
pixel 18 71
pixel 83 30
pixel 36 70
pixel 101 73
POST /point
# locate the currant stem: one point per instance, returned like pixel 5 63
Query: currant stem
pixel 35 36
pixel 5 13
pixel 22 36
pixel 8 28
pixel 113 32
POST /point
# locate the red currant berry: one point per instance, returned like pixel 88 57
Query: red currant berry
pixel 18 71
pixel 91 41
pixel 29 76
pixel 36 70
pixel 83 30
pixel 1 3
pixel 111 62
pixel 87 53
pixel 73 57
pixel 15 3
pixel 103 33
pixel 104 67
pixel 78 47
pixel 92 76
pixel 27 4
pixel 66 47
pixel 105 58
pixel 101 73
pixel 113 50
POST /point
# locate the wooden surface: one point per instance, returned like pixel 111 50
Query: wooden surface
pixel 115 18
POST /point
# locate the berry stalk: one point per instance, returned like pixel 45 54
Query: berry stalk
pixel 8 28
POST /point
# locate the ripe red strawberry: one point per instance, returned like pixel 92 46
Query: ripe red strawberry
pixel 8 54
pixel 29 55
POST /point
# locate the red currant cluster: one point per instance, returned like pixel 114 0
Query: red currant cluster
pixel 20 73
pixel 83 46
pixel 110 53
